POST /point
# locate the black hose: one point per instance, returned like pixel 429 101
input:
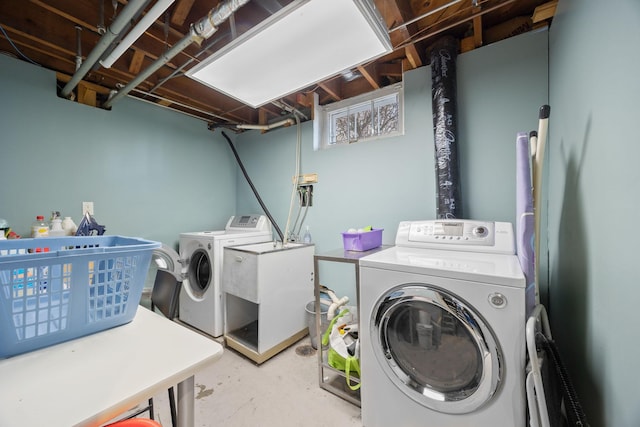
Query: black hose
pixel 253 188
pixel 574 412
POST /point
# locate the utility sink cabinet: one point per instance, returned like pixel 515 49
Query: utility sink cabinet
pixel 266 288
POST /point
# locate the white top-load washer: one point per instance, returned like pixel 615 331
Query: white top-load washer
pixel 442 328
pixel 201 302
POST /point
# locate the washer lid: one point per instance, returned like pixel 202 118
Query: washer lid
pixel 496 269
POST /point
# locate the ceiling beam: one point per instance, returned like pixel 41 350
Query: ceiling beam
pixel 395 13
pixel 510 28
pixel 391 69
pixel 369 72
pixel 181 11
pixel 544 11
pixel 333 88
pixel 476 40
pixel 87 6
pixel 65 78
pixel 477 28
pixel 136 62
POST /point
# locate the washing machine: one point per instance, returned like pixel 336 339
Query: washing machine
pixel 442 328
pixel 201 302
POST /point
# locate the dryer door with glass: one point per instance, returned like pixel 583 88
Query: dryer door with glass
pixel 436 348
pixel 199 269
pixel 164 258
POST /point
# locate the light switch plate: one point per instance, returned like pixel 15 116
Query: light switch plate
pixel 87 207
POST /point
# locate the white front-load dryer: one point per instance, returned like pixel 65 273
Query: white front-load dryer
pixel 201 302
pixel 443 330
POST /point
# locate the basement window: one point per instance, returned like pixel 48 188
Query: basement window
pixel 374 115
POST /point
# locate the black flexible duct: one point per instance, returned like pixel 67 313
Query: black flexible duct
pixel 444 103
pixel 253 188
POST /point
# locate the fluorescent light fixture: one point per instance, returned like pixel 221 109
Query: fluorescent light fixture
pixel 304 43
pixel 135 33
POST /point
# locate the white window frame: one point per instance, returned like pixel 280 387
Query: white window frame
pixel 326 116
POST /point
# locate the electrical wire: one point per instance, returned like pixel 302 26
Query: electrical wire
pixel 295 177
pixel 420 35
pixel 22 54
pixel 304 195
pixel 306 208
pixel 295 223
pixel 16 48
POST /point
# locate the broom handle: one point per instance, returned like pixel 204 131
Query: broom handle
pixel 543 125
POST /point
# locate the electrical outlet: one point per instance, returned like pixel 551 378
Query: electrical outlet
pixel 309 178
pixel 305 192
pixel 87 207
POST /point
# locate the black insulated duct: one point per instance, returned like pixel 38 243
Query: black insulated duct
pixel 444 104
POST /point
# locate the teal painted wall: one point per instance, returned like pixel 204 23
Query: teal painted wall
pixel 593 202
pixel 153 173
pixel 501 86
pixel 382 182
pixel 150 172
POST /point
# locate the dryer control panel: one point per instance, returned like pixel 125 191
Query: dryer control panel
pixel 458 234
pixel 248 223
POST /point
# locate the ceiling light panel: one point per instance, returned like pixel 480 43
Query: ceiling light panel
pixel 304 43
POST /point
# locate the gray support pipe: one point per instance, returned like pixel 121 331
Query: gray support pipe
pixel 121 21
pixel 198 32
pixel 445 126
pixel 78 47
pixel 157 64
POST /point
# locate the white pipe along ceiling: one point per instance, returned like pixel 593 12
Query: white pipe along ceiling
pixel 122 20
pixel 198 32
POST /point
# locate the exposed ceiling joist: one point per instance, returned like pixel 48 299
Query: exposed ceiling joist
pixel 45 32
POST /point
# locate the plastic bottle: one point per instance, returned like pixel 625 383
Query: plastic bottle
pixel 4 228
pixel 56 224
pixel 69 226
pixel 43 276
pixel 39 228
pixel 306 238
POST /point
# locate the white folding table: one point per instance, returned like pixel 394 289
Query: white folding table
pixel 90 380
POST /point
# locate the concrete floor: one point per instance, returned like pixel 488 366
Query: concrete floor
pixel 282 392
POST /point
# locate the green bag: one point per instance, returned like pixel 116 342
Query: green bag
pixel 338 355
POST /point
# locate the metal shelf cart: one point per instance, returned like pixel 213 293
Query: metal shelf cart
pixel 331 379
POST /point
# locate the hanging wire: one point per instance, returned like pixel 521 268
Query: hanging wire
pixel 306 209
pixel 294 189
pixel 16 48
pixel 294 236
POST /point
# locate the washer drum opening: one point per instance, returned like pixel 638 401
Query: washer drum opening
pixel 436 348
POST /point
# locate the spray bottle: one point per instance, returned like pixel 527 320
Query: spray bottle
pixel 306 238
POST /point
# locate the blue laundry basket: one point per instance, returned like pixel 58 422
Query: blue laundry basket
pixel 57 289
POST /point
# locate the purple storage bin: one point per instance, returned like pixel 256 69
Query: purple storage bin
pixel 362 241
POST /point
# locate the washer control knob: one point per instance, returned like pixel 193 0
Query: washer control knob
pixel 497 300
pixel 480 231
